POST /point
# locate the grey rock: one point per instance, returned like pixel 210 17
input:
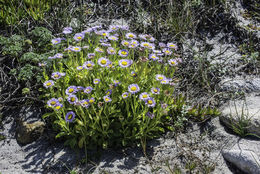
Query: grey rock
pixel 241 84
pixel 28 132
pixel 245 112
pixel 245 155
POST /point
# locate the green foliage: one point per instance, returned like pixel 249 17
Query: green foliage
pixel 12 46
pixel 13 11
pixel 41 36
pixel 198 113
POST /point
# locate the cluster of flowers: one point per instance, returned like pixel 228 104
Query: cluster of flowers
pixel 108 38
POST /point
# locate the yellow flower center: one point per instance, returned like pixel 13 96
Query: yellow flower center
pixel 53 102
pixel 155 90
pixel 79 37
pixel 160 78
pixel 71 90
pixel 100 49
pixel 103 62
pixel 113 38
pixel 48 84
pixel 89 65
pixel 85 103
pixel 72 99
pixel 153 57
pixel 56 75
pixel 112 50
pixel 70 117
pixel 104 34
pixel 76 48
pixel 146 44
pixel 80 67
pixel 125 95
pixel 108 93
pixel 133 88
pixel 96 81
pixel 124 52
pixel 172 62
pixel 145 96
pixel 130 35
pixel 150 102
pixel 58 107
pixel 167 51
pixel 126 43
pixel 107 99
pixel 91 101
pixel 124 63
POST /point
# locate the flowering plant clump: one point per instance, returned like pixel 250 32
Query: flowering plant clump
pixel 110 87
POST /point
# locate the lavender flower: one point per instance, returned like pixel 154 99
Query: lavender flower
pixel 91 55
pixel 67 30
pixel 133 88
pixel 113 38
pixel 84 103
pixel 134 74
pixel 123 53
pixel 130 36
pixel 52 102
pixel 111 50
pixel 56 41
pixel 153 57
pixel 100 50
pixel 56 75
pixel 80 68
pixel 155 90
pixel 88 90
pixel 107 99
pixel 144 96
pixel 78 36
pixel 48 83
pixel 167 51
pixel 103 62
pixel 70 116
pixel 108 92
pixel 150 102
pixel 71 90
pixel 125 95
pixel 173 62
pixel 88 65
pixel 125 43
pixel 96 81
pixel 149 114
pixel 124 63
pixel 91 100
pixel 72 99
pixel 58 106
pixel 160 77
pixel 172 46
pixel 75 49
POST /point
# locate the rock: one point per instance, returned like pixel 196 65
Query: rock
pixel 245 155
pixel 28 132
pixel 243 112
pixel 248 84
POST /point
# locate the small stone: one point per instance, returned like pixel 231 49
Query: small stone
pixel 28 132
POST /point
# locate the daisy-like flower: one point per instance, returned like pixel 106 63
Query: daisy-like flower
pixel 123 27
pixel 58 106
pixel 75 49
pixel 52 102
pixel 88 30
pixel 113 38
pixel 103 62
pixel 88 65
pixel 103 33
pixel 165 81
pixel 125 43
pixel 124 63
pixel 88 90
pixel 100 50
pixel 149 114
pixel 60 99
pixel 130 36
pixel 155 90
pixel 125 95
pixel 71 90
pixel 150 102
pixel 162 45
pixel 157 51
pixel 134 42
pixel 116 82
pixel 96 81
pixel 56 41
pixel 56 75
pixel 85 47
pixel 80 68
pixel 133 88
pixel 42 64
pixel 142 36
pixel 134 74
pixel 144 96
pixel 172 45
pixel 70 116
pixel 113 27
pixel 111 50
pixel 151 39
pixel 123 53
pixel 91 55
pixel 160 77
pixel 108 92
pixel 80 88
pixel 91 100
pixel 106 44
pixel 67 30
pixel 145 44
pixel 72 99
pixel 151 46
pixel 107 99
pixel 48 83
pixel 58 55
pixel 167 51
pixel 153 57
pixel 84 103
pixel 164 105
pixel 78 36
pixel 173 62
